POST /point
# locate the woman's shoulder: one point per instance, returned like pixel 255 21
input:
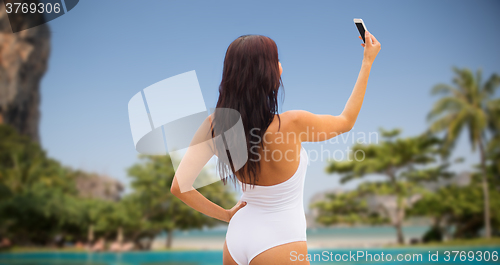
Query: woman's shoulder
pixel 292 119
pixel 285 123
pixel 297 115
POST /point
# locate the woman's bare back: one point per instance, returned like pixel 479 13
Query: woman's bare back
pixel 280 156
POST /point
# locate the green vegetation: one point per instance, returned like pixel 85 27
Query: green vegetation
pixel 494 241
pixel 40 204
pixel 397 160
pixel 470 105
pixel 410 165
pixel 457 211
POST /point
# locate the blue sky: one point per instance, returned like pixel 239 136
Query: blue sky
pixel 104 52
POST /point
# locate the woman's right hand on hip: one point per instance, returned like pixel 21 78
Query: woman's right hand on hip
pixel 233 210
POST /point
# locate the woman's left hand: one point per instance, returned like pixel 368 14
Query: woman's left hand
pixel 233 210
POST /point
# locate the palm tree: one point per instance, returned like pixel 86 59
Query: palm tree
pixel 465 105
pixel 493 149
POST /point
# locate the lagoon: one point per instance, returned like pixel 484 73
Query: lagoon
pixel 213 257
pixel 206 249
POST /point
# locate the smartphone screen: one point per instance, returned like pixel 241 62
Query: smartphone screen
pixel 361 30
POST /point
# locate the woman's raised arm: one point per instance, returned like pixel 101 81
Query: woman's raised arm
pixel 316 128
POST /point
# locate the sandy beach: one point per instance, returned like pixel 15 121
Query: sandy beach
pixel 338 237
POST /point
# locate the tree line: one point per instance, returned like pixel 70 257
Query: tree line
pixel 40 204
pixel 411 165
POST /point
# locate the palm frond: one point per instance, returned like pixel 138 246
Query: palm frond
pixel 474 133
pixel 445 89
pixel 442 123
pixel 479 79
pixel 463 79
pixel 492 84
pixel 446 105
pixel 493 114
pixel 456 126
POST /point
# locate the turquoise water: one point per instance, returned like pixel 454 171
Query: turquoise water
pixel 212 257
pixel 332 232
pixel 215 257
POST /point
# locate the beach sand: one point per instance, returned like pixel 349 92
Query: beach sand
pixel 340 237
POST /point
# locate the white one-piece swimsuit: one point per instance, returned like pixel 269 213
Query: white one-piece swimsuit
pixel 274 215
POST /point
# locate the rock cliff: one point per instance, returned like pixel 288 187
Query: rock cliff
pixel 93 185
pixel 23 62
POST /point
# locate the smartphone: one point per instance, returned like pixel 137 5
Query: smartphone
pixel 361 27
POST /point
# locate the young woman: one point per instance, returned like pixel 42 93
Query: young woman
pixel 267 225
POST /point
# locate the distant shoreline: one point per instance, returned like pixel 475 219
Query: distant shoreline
pixel 317 238
pixel 456 244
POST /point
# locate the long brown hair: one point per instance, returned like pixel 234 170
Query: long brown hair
pixel 250 83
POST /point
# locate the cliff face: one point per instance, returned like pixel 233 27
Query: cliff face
pixel 23 61
pixel 92 185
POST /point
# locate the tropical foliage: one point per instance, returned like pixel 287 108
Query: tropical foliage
pixel 401 161
pixel 40 205
pixel 412 164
